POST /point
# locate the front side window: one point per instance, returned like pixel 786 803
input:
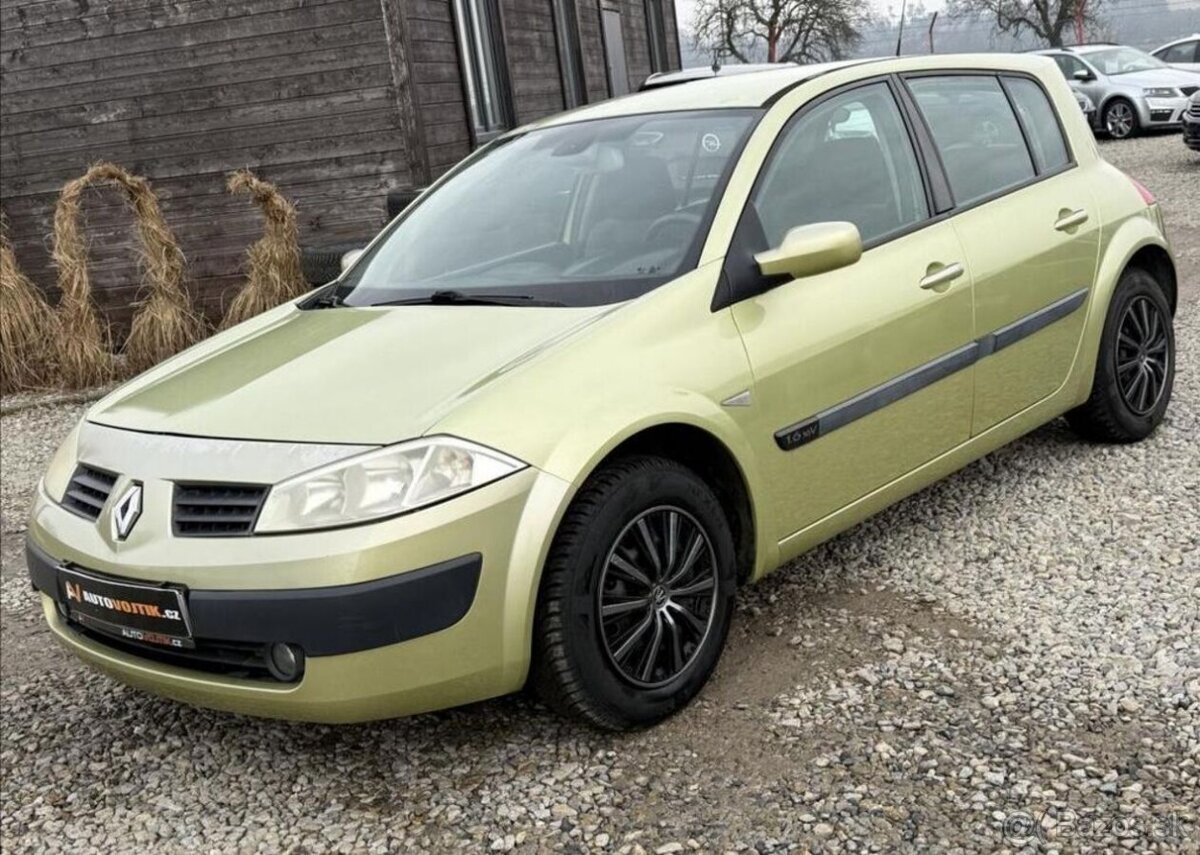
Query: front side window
pixel 581 214
pixel 848 158
pixel 1123 60
pixel 976 134
pixel 1041 123
pixel 484 66
pixel 1069 65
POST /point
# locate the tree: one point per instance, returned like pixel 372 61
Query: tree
pixel 780 30
pixel 1048 20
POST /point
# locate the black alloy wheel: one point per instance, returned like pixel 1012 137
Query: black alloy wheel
pixel 1135 365
pixel 636 596
pixel 1143 355
pixel 656 596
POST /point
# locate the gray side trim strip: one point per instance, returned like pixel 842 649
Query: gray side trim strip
pixel 878 397
pixel 1028 325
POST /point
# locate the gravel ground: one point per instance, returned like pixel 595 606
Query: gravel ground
pixel 1005 661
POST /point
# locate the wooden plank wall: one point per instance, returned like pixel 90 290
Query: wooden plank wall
pixel 182 92
pixel 437 82
pixel 533 62
pixel 300 91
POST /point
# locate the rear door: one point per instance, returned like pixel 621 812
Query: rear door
pixel 1025 216
pixel 860 373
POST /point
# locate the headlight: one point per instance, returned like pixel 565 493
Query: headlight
pixel 1159 92
pixel 382 483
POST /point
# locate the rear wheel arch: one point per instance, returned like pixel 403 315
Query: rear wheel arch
pixel 1157 262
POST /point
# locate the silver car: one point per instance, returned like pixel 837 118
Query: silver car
pixel 1132 90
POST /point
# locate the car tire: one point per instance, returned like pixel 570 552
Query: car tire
pixel 1120 119
pixel 1135 368
pixel 589 660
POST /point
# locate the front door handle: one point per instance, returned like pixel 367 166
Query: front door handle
pixel 1068 220
pixel 944 275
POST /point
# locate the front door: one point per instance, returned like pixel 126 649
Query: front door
pixel 861 374
pixel 1010 167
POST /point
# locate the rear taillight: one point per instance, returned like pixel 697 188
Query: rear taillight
pixel 1146 195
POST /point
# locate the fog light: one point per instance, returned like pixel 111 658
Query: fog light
pixel 285 661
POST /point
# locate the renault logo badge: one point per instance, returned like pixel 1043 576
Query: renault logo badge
pixel 127 510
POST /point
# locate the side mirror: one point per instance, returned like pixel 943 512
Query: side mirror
pixel 813 249
pixel 1082 74
pixel 349 258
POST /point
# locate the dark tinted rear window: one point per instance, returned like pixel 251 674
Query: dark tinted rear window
pixel 1041 123
pixel 976 133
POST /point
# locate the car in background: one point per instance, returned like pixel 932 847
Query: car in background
pixel 1191 123
pixel 1182 53
pixel 1133 91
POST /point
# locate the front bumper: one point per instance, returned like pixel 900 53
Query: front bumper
pixel 421 612
pixel 1164 112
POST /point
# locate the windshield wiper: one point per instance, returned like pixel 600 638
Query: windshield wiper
pixel 459 298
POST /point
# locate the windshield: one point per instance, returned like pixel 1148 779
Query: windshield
pixel 580 214
pixel 1123 60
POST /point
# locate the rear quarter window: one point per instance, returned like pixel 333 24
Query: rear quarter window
pixel 1041 123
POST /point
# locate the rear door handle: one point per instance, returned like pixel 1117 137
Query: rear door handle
pixel 944 275
pixel 1068 220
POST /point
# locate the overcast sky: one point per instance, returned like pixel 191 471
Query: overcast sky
pixel 684 8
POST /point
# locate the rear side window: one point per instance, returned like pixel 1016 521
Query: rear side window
pixel 1041 123
pixel 1183 52
pixel 848 158
pixel 976 134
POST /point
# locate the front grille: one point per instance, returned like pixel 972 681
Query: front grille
pixel 216 510
pixel 237 659
pixel 1194 111
pixel 88 490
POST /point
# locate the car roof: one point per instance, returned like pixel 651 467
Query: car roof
pixel 763 87
pixel 1086 49
pixel 1192 37
pixel 702 72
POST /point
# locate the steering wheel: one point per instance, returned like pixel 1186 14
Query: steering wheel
pixel 666 221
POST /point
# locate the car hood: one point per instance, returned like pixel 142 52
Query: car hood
pixel 344 375
pixel 1159 77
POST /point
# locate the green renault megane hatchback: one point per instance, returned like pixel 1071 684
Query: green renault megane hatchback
pixel 611 368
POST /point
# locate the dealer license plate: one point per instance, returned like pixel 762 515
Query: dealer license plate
pixel 149 614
